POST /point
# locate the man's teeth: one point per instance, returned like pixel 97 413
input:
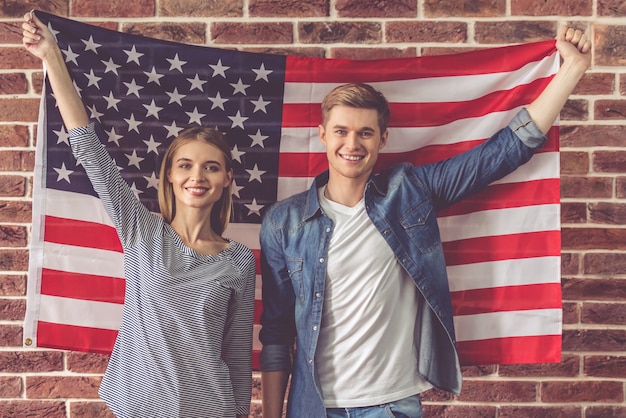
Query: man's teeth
pixel 353 157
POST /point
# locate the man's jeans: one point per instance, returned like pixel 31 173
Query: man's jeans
pixel 410 407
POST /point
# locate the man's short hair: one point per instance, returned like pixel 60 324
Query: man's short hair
pixel 360 96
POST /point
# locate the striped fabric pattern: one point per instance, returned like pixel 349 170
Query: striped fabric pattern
pixel 183 347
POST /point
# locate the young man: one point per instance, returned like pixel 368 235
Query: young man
pixel 353 269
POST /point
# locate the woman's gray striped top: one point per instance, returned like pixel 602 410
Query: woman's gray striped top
pixel 185 342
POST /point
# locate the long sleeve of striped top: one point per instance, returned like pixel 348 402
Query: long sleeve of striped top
pixel 185 342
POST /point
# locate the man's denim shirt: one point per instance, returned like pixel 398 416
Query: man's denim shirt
pixel 402 203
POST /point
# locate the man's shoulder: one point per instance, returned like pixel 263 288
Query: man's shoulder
pixel 292 204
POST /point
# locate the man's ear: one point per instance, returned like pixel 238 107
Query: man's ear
pixel 383 139
pixel 322 133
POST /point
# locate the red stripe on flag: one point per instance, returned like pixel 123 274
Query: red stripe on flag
pixel 92 340
pixel 503 247
pixel 321 70
pixel 258 310
pixel 507 298
pixel 82 286
pixel 532 349
pixel 81 234
pixel 509 195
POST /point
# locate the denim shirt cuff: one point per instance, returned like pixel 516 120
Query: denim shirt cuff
pixel 526 130
pixel 275 358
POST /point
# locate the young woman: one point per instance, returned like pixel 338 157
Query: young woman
pixel 185 342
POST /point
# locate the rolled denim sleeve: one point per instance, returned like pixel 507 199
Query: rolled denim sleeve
pixel 278 328
pixel 526 130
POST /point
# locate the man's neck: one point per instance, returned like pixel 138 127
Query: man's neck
pixel 347 192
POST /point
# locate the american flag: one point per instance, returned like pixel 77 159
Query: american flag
pixel 502 246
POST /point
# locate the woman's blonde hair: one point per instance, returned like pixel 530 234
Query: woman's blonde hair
pixel 360 96
pixel 220 213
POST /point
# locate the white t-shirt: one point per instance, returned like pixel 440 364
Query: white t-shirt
pixel 365 353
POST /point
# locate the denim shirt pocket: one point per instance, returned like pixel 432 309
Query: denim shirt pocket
pixel 420 225
pixel 294 268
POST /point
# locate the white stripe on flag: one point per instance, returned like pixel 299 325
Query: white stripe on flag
pixel 83 260
pixel 524 271
pixel 64 311
pixel 499 222
pixel 508 324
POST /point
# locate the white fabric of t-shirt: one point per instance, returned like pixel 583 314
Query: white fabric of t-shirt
pixel 365 353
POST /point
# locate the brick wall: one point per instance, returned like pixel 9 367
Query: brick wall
pixel 589 382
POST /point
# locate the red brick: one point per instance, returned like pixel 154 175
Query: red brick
pixel 315 52
pixel 607 213
pixel 82 409
pixel 10 387
pixel 58 387
pixel 582 391
pixel 15 211
pixel 13 135
pixel 19 110
pixel 551 8
pixel 436 395
pixel 540 412
pixel 571 313
pixel 372 53
pixel 620 187
pixel 288 8
pixel 575 110
pixel 568 367
pixel 386 9
pixel 593 238
pixel 612 8
pixel 605 412
pixel 605 366
pixel 436 51
pixel 187 33
pixel 586 187
pixel 251 33
pixel 478 371
pixel 570 263
pixel 10 336
pixel 201 8
pixel 504 391
pixel 596 83
pixel 603 313
pixel 460 411
pixel 31 361
pixel 13 186
pixel 348 32
pixel 622 84
pixel 593 136
pixel 12 285
pixel 610 340
pixel 16 9
pixel 78 362
pixel 594 289
pixel 610 109
pixel 17 160
pixel 113 8
pixel 574 162
pixel 29 408
pixel 12 58
pixel 575 213
pixel 609 46
pixel 477 8
pixel 412 31
pixel 13 236
pixel 13 83
pixel 609 161
pixel 508 32
pixel 604 263
pixel 14 260
pixel 10 32
pixel 12 310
